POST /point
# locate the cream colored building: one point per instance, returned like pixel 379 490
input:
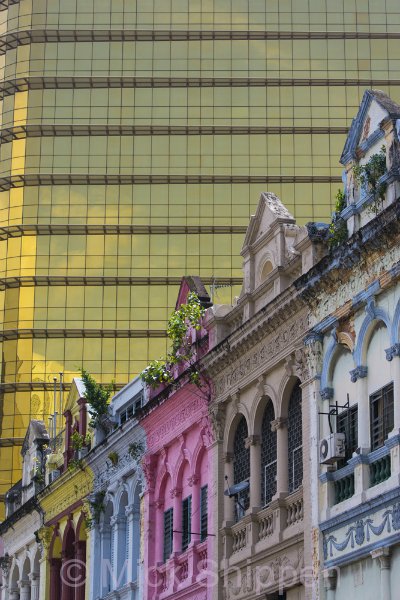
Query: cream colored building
pixel 260 412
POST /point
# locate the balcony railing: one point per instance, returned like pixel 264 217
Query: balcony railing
pixel 265 526
pixel 380 470
pixel 344 488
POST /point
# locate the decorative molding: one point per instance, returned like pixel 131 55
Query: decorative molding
pixel 278 423
pixel 275 343
pixel 326 393
pixel 358 373
pixel 175 422
pixel 392 351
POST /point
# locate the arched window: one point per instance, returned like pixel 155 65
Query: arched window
pixel 241 463
pixel 268 456
pixel 295 439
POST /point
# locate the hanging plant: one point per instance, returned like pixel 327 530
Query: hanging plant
pixel 180 325
pixel 93 508
pixel 338 227
pixel 368 176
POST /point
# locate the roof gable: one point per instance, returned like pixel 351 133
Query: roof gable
pixel 365 130
pixel 192 283
pixel 270 210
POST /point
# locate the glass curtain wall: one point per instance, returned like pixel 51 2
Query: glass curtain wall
pixel 135 139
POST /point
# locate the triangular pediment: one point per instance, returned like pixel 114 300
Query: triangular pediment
pixel 193 283
pixel 270 210
pixel 365 131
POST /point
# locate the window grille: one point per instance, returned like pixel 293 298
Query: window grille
pixel 268 455
pixel 347 423
pixel 295 440
pixel 168 528
pixel 241 461
pixel 128 412
pixel 186 522
pixel 382 417
pixel 203 513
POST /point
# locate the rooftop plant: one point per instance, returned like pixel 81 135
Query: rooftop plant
pixel 180 325
pixel 97 396
pixel 368 176
pixel 338 227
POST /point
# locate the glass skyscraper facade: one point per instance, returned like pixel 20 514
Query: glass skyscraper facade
pixel 136 137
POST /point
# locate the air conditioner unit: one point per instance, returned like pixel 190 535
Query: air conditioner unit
pixel 332 448
pixel 53 475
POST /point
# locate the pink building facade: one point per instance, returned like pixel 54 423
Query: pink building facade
pixel 177 500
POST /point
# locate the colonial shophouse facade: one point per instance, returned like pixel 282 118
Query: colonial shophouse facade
pixel 179 493
pixel 115 501
pixel 260 410
pixel 354 298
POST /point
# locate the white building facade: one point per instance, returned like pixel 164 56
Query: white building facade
pixel 354 299
pixel 115 504
pixel 22 561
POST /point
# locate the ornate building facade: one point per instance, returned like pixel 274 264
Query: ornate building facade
pixel 354 299
pixel 260 410
pixel 115 502
pixel 180 491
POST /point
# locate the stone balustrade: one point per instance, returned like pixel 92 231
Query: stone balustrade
pixel 262 529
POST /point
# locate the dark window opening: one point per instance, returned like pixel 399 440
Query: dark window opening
pixel 186 522
pixel 168 535
pixel 241 466
pixel 203 513
pixel 268 456
pixel 347 423
pixel 295 439
pixel 382 415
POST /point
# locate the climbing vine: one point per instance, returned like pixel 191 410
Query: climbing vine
pixel 338 227
pixel 180 324
pixel 368 176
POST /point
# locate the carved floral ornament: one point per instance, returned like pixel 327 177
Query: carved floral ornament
pixel 261 355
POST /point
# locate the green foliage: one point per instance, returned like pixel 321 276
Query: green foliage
pixel 180 323
pixel 93 509
pixel 97 397
pixel 136 450
pixel 75 463
pixel 338 227
pixel 114 458
pixel 368 176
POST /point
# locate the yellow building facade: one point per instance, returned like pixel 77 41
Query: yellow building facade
pixel 136 136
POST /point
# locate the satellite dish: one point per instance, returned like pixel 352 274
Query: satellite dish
pixel 234 490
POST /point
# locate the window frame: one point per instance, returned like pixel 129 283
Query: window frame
pixel 168 527
pixel 383 400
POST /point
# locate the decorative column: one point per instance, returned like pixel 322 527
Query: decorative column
pixel 253 442
pixel 105 553
pixel 282 481
pixel 82 416
pixel 5 565
pixel 383 555
pixel 132 513
pixel 177 522
pixel 118 527
pixel 35 585
pixel 229 503
pixel 359 376
pixel 330 580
